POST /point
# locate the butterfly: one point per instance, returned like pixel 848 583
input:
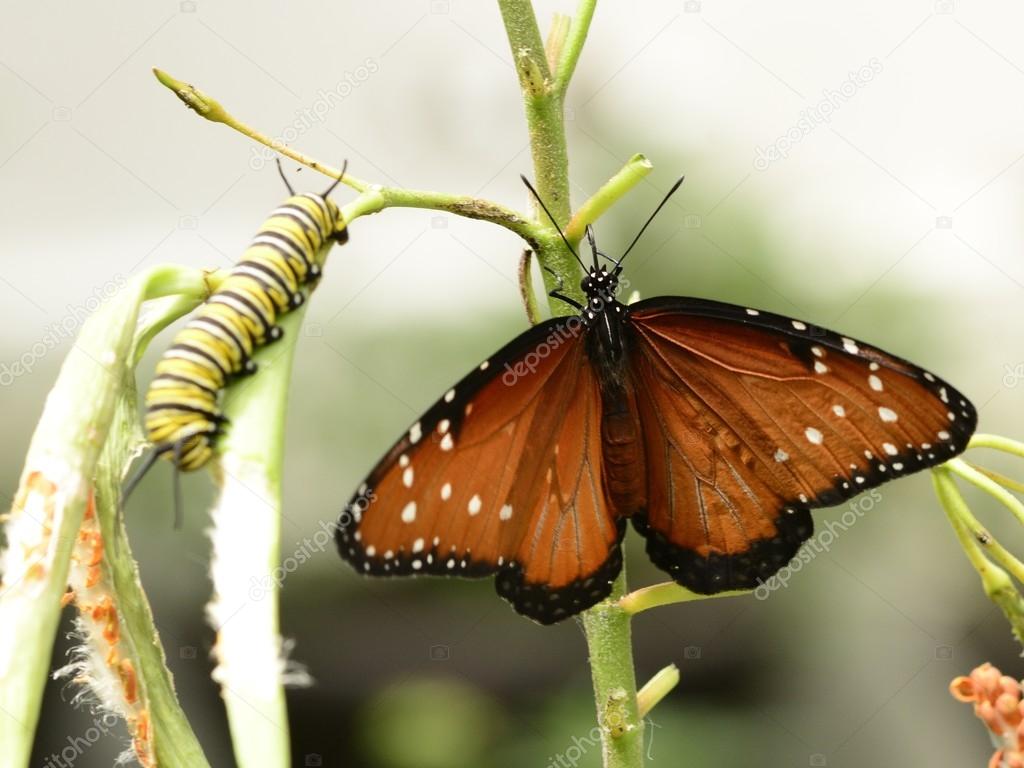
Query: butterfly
pixel 714 428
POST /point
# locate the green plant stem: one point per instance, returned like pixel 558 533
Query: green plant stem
pixel 48 510
pixel 558 32
pixel 246 546
pixel 997 584
pixel 606 626
pixel 998 443
pixel 168 732
pixel 988 485
pixel 635 169
pixel 1003 480
pixel 656 689
pixel 543 105
pixel 980 535
pixel 377 197
pixel 607 629
pixel 573 45
pixel 667 593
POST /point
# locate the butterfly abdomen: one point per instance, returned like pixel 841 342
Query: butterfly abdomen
pixel 622 449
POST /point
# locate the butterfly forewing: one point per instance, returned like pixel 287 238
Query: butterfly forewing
pixel 502 475
pixel 750 419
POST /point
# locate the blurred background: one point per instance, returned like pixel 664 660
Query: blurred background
pixel 856 165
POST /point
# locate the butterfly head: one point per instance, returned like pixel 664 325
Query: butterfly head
pixel 600 286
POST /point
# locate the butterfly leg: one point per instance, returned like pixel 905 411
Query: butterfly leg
pixel 557 293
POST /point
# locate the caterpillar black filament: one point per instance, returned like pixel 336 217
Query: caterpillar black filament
pixel 183 416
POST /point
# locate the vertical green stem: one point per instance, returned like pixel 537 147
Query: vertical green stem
pixel 606 625
pixel 542 101
pixel 609 640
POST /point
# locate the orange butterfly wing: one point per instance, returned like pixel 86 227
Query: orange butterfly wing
pixel 750 419
pixel 502 475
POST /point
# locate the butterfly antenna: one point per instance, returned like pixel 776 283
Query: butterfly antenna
pixel 650 219
pixel 337 181
pixel 284 178
pixel 561 234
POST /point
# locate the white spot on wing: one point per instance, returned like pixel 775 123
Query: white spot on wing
pixel 417 546
pixel 943 435
pixel 449 395
pixel 409 513
pixel 407 477
pixel 442 426
pixel 447 442
pixel 415 433
pixel 813 435
pixel 820 367
pixel 474 505
pixel 753 312
pixel 446 491
pixel 887 414
pixel 838 410
pixel 850 346
pixel 890 449
pixel 798 325
pixel 781 455
pixel 875 382
pixel 506 512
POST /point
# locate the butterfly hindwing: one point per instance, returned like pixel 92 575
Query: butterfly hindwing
pixel 750 419
pixel 502 475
